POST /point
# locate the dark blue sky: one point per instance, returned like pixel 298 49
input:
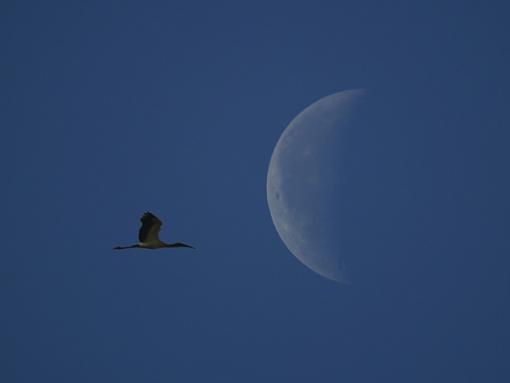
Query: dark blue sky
pixel 113 108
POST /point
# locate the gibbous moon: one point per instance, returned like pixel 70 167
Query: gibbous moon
pixel 304 183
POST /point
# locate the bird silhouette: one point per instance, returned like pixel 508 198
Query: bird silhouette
pixel 148 235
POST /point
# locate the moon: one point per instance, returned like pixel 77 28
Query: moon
pixel 304 183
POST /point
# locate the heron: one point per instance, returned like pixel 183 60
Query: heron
pixel 148 235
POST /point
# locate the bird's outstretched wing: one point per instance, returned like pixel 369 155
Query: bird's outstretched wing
pixel 149 232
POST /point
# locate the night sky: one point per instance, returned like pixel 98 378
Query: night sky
pixel 112 108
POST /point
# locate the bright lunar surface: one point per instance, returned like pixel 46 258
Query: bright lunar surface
pixel 304 184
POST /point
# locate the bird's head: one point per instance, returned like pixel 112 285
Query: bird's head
pixel 178 244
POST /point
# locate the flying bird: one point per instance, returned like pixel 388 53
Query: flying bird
pixel 148 235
